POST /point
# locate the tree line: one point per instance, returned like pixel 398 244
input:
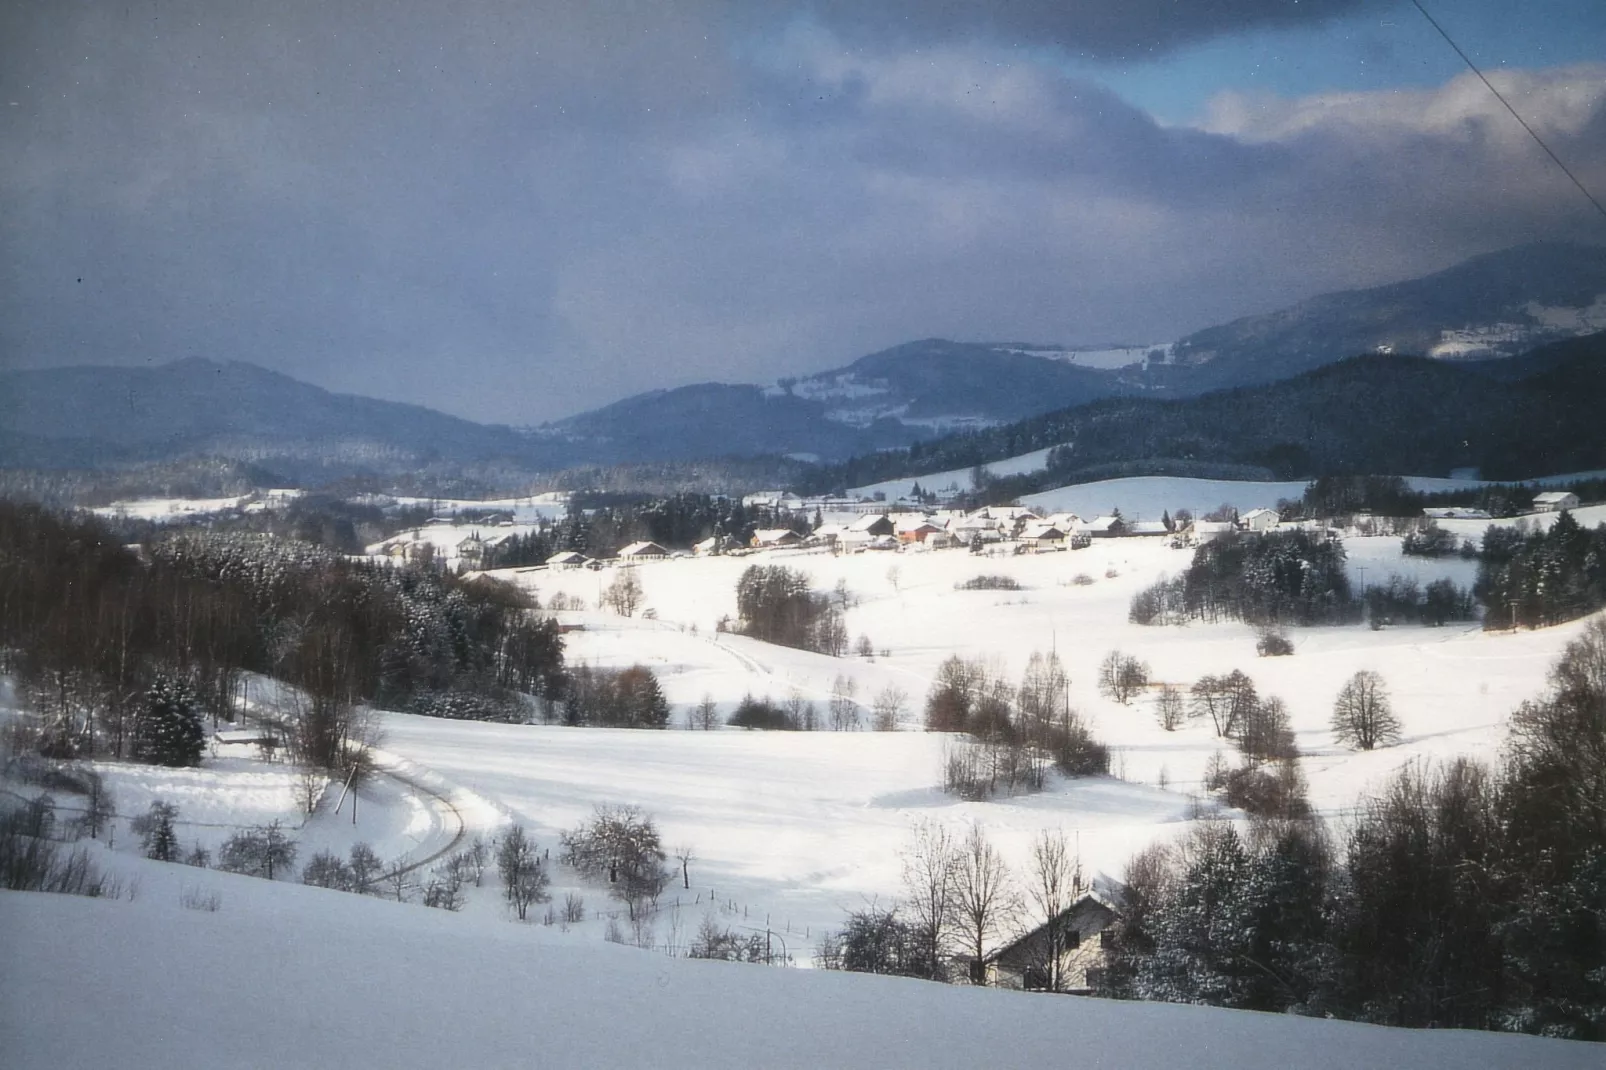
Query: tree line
pixel 1462 896
pixel 91 628
pixel 1537 578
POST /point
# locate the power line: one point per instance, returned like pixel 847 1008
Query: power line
pixel 1531 132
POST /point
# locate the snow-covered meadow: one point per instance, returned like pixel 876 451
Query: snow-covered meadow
pixel 282 975
pixel 787 832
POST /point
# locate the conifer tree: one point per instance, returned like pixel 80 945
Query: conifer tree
pixel 167 727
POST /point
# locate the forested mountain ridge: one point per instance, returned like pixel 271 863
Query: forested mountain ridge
pixel 1374 413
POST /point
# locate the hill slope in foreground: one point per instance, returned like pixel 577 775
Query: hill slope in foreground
pixel 288 975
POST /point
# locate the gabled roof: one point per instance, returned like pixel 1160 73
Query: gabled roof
pixel 643 549
pixel 868 521
pixel 1099 523
pixel 1553 497
pixel 1042 530
pixel 1087 915
pixel 567 557
pixel 1254 513
pixel 770 536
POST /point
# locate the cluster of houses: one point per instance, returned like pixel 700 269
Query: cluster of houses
pixel 995 528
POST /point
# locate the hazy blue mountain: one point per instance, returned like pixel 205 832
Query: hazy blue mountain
pixel 98 416
pixel 1492 306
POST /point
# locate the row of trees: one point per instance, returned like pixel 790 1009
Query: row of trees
pixel 615 698
pixel 100 637
pixel 1461 896
pixel 597 525
pixel 1292 577
pixel 1537 578
pixel 960 899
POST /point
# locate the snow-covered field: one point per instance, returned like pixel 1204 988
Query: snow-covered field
pixel 854 796
pixel 289 976
pixel 788 831
pixel 185 508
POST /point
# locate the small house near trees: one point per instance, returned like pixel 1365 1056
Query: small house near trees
pixel 643 551
pixel 1104 527
pixel 566 560
pixel 1042 535
pixel 915 528
pixel 1554 501
pixel 1076 938
pixel 775 538
pixel 1205 531
pixel 873 526
pixel 1259 520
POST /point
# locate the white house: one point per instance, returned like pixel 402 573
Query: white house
pixel 643 551
pixel 1042 535
pixel 1210 530
pixel 1554 501
pixel 566 559
pixel 772 538
pixel 1102 527
pixel 1259 519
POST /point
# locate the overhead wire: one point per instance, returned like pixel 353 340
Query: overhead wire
pixel 1501 98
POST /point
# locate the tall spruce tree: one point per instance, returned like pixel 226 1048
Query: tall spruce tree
pixel 168 729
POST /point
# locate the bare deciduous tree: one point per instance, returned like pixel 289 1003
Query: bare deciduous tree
pixel 524 878
pixel 844 710
pixel 928 881
pixel 1122 676
pixel 1054 882
pixel 890 703
pixel 624 594
pixel 1362 714
pixel 982 898
pixel 1169 708
pixel 705 715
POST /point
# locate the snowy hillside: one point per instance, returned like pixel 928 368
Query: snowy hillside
pixel 283 976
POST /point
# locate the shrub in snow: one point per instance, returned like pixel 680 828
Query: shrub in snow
pixel 264 851
pixel 761 714
pixel 989 583
pixel 328 870
pixel 524 878
pixel 714 941
pixel 1273 644
pixel 31 863
pixel 155 831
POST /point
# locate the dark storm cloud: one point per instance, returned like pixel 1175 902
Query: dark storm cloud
pixel 516 210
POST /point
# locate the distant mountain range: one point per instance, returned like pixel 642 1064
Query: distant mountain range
pixel 1493 306
pixel 1536 414
pixel 89 417
pixel 1490 307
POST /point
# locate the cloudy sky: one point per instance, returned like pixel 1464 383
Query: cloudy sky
pixel 514 210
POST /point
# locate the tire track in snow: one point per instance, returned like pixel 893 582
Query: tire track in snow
pixel 444 808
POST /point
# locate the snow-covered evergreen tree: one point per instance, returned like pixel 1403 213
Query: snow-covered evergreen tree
pixel 167 727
